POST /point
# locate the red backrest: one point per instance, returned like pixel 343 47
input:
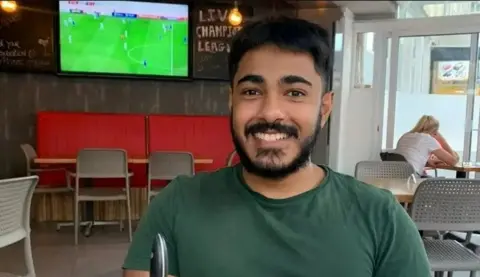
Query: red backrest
pixel 206 137
pixel 61 134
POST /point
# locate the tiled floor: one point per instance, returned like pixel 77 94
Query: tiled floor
pixel 55 256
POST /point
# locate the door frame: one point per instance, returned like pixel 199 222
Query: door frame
pixel 394 30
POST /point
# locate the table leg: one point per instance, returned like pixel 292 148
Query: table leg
pixel 461 175
pixel 89 212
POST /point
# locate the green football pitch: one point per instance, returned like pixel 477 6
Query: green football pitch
pixel 123 45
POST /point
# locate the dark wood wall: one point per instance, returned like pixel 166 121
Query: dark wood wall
pixel 22 95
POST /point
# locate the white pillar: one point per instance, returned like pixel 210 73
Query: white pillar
pixel 342 72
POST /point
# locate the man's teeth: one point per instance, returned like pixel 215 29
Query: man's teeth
pixel 271 137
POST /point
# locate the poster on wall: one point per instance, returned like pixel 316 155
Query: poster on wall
pixel 451 77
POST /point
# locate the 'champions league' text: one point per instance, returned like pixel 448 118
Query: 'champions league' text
pixel 213 31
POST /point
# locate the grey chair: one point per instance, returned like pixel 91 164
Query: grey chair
pixel 387 170
pixel 230 158
pixel 167 166
pixel 394 157
pixel 101 163
pixel 448 205
pixel 159 261
pixel 30 155
pixel 15 200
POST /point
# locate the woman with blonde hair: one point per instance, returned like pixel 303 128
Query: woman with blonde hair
pixel 423 141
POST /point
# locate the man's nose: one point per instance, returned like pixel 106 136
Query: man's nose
pixel 272 109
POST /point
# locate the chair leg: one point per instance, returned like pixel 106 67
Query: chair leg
pixel 28 256
pixel 450 274
pixel 129 218
pixel 473 274
pixel 76 221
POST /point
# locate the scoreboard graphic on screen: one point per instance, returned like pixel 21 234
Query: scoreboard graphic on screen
pixel 86 3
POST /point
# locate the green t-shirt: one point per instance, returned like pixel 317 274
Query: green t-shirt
pixel 216 226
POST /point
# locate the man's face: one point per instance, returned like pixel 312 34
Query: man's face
pixel 276 110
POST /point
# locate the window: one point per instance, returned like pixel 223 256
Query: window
pixel 364 61
pixel 417 9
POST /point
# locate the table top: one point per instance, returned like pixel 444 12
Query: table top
pixel 462 166
pixel 130 160
pixel 401 188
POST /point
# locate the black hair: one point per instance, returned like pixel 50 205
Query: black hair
pixel 284 32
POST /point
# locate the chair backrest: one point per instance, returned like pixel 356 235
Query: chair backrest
pixel 447 205
pixel 392 157
pixel 231 157
pixel 169 165
pixel 159 261
pixel 15 199
pixel 30 155
pixel 377 169
pixel 102 163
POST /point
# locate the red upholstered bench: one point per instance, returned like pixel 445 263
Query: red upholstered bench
pixel 206 137
pixel 63 134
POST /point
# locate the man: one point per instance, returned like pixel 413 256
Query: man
pixel 277 214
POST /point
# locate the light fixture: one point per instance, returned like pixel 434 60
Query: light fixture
pixel 9 6
pixel 235 18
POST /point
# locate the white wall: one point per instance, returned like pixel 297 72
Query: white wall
pixel 353 124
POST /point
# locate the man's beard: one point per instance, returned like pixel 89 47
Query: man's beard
pixel 275 171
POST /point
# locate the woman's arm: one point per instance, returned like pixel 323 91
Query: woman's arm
pixel 444 156
pixel 444 144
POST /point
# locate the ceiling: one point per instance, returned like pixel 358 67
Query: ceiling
pixel 357 7
pixel 310 4
pixel 369 7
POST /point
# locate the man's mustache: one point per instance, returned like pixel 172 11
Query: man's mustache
pixel 263 127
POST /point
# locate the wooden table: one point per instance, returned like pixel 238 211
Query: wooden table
pixel 130 160
pixel 399 187
pixel 59 205
pixel 461 168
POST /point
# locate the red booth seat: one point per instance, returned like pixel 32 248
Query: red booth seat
pixel 63 134
pixel 206 137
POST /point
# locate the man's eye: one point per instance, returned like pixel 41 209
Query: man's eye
pixel 250 92
pixel 295 93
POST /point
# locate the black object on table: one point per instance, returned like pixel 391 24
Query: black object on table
pixel 461 175
pixel 159 262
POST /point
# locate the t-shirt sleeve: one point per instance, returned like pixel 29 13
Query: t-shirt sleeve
pixel 431 143
pixel 400 251
pixel 159 218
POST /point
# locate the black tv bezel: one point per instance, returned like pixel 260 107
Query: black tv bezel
pixel 57 50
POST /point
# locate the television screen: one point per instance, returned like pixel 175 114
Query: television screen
pixel 124 37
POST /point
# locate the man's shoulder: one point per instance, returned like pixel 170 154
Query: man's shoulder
pixel 366 196
pixel 376 207
pixel 213 177
pixel 200 182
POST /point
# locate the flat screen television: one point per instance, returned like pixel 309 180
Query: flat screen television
pixel 123 38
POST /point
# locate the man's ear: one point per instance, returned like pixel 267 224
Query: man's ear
pixel 326 108
pixel 230 92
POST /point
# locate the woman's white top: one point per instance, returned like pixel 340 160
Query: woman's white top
pixel 416 148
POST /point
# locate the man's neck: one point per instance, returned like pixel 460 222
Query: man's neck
pixel 305 179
